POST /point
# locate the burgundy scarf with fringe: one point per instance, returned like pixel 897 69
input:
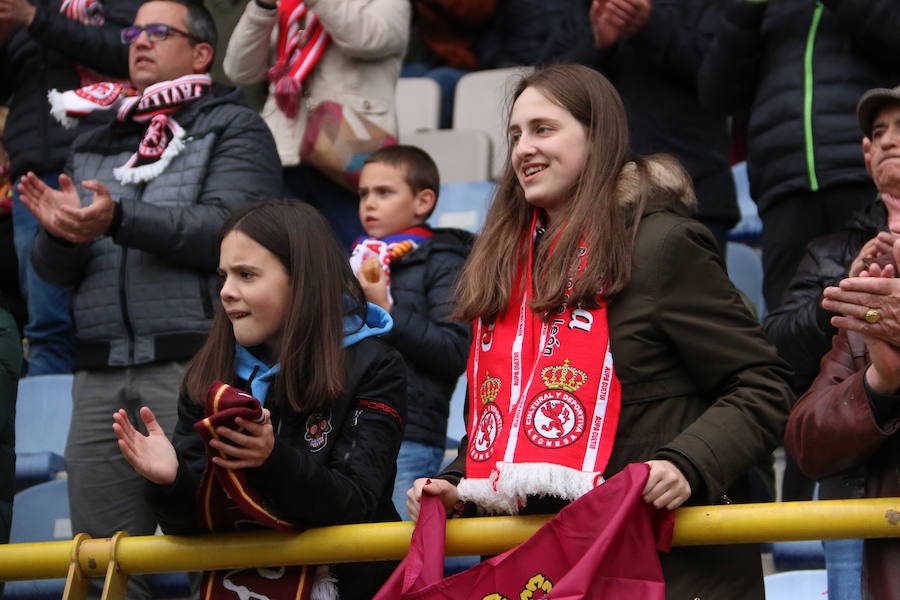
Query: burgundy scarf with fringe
pixel 226 500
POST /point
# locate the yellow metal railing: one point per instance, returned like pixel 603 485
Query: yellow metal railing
pixel 115 558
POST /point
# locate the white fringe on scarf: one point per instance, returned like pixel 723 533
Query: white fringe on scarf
pixel 126 175
pixel 58 109
pixel 325 585
pixel 515 481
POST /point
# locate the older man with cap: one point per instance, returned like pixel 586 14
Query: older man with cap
pixel 850 416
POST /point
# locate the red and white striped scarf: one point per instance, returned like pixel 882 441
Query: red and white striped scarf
pixel 543 402
pixel 163 138
pixel 301 42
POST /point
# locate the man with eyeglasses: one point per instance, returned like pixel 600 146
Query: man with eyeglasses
pixel 133 231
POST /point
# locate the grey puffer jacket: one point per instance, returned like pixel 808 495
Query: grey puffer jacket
pixel 145 292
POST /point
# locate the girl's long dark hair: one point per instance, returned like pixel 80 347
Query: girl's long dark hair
pixel 322 288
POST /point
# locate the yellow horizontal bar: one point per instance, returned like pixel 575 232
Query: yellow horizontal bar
pixel 736 523
pixel 42 560
pixel 787 521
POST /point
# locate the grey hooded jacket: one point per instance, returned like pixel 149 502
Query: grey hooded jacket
pixel 145 291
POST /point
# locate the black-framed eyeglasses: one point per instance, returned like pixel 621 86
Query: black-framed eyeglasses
pixel 156 32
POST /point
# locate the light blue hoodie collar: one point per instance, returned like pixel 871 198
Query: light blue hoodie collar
pixel 377 322
pixel 249 368
pixel 259 374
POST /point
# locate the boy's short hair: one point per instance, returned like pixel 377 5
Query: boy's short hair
pixel 421 172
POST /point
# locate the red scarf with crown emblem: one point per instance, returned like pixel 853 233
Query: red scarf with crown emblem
pixel 543 402
pixel 227 501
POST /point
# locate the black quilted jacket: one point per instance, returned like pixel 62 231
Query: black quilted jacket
pixel 800 328
pixel 434 348
pixel 800 68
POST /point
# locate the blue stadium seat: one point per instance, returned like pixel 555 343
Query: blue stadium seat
pixel 463 205
pixel 746 272
pixel 797 585
pixel 749 228
pixel 41 514
pixel 456 426
pixel 43 413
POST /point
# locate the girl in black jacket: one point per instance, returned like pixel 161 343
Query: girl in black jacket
pixel 295 333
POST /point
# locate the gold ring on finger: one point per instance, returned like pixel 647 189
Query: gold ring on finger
pixel 872 315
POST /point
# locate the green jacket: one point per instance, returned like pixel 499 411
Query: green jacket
pixel 701 387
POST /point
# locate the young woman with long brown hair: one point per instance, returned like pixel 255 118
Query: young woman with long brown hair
pixel 313 437
pixel 606 332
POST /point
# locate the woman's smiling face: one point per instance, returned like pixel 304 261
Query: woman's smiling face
pixel 548 151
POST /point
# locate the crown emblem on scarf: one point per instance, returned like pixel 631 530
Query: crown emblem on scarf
pixel 563 377
pixel 490 388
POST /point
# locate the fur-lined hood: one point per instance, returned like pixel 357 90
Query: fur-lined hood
pixel 669 185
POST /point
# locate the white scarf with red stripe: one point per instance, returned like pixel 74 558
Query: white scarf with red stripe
pixel 543 403
pixel 163 138
pixel 301 42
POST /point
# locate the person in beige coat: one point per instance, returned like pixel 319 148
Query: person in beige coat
pixel 359 69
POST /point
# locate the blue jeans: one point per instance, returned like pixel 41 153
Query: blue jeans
pixel 49 327
pixel 414 460
pixel 843 559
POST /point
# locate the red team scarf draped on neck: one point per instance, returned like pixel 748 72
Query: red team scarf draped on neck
pixel 301 43
pixel 543 402
pixel 163 137
pixel 226 500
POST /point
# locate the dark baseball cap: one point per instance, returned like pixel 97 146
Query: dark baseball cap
pixel 871 102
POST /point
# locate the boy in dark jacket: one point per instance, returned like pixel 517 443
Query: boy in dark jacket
pixel 410 270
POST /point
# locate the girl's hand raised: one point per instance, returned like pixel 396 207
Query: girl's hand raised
pixel 153 455
pixel 250 448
